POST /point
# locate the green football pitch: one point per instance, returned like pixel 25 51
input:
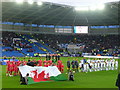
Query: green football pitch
pixel 99 79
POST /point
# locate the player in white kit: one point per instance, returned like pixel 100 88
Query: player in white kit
pixel 98 65
pixel 91 66
pixel 95 64
pixel 116 64
pixel 107 65
pixel 101 65
pixel 81 67
pixel 104 65
pixel 112 64
pixel 86 67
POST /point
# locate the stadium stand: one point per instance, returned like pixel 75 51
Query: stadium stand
pixel 7 45
pixel 21 44
pixel 95 44
pixel 40 45
pixel 99 44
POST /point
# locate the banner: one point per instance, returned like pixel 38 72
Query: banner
pixel 41 74
pixel 32 40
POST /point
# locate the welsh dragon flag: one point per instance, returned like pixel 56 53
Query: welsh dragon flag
pixel 42 74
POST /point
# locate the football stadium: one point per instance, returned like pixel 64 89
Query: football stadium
pixel 60 44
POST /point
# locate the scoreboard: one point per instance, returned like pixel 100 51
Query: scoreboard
pixel 80 29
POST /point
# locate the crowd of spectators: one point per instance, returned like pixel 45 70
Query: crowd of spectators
pixel 102 44
pixel 106 44
pixel 7 38
pixel 11 39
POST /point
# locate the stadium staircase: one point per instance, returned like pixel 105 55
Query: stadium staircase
pixel 40 45
pixel 34 47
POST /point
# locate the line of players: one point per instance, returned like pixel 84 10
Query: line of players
pixel 12 66
pixel 92 65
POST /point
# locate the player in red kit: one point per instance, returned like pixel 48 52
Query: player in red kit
pixel 62 68
pixel 58 66
pixel 49 62
pixel 40 62
pixel 53 64
pixel 59 63
pixel 44 61
pixel 15 68
pixel 24 62
pixel 45 65
pixel 18 63
pixel 7 69
pixel 11 68
pixel 14 65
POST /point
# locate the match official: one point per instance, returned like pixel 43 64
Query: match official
pixel 76 65
pixel 73 65
pixel 68 65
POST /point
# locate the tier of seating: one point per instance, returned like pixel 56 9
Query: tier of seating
pixel 7 51
pixel 7 46
pixel 40 45
pixel 14 44
pixel 22 45
pixel 100 44
pixel 32 50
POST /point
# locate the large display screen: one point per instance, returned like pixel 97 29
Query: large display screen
pixel 80 29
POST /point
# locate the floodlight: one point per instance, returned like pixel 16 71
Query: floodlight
pixel 101 6
pixel 19 1
pixel 30 1
pixel 81 8
pixel 39 3
pixel 93 7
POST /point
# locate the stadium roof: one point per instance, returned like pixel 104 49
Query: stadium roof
pixel 79 2
pixel 59 14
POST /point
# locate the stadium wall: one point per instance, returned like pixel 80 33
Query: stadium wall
pixel 24 29
pixel 104 31
pixel 28 29
pixel 102 57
